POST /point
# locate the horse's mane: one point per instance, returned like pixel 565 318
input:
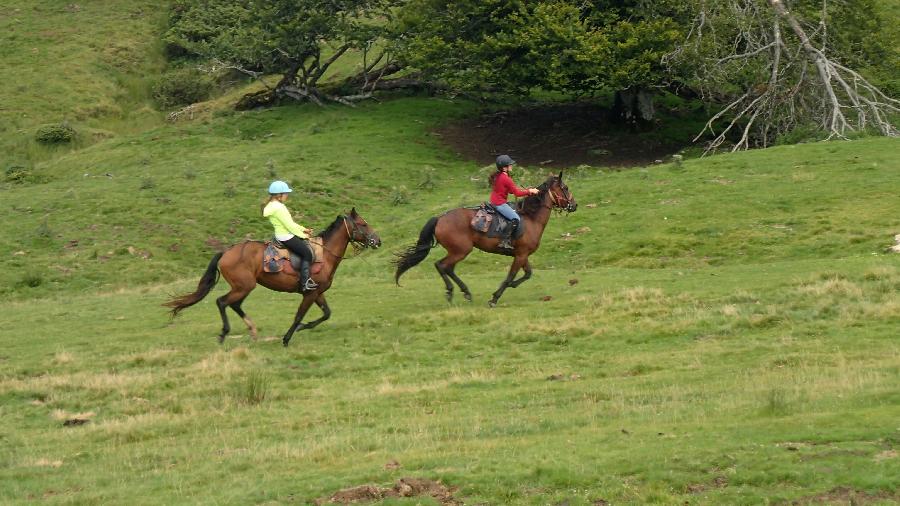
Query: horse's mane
pixel 336 224
pixel 533 203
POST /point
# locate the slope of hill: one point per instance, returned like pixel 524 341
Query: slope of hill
pixel 89 64
pixel 721 331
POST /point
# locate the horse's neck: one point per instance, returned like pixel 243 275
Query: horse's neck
pixel 542 215
pixel 337 243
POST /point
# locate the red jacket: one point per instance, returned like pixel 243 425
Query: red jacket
pixel 503 186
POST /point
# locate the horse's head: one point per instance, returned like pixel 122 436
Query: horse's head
pixel 360 231
pixel 560 196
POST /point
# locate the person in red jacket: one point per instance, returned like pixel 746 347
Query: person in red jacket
pixel 502 185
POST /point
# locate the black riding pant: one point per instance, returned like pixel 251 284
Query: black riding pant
pixel 300 247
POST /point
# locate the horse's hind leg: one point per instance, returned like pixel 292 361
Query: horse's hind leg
pixel 444 275
pixel 462 286
pixel 445 268
pixel 233 299
pixel 247 321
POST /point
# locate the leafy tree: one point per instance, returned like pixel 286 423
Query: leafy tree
pixel 298 39
pixel 515 46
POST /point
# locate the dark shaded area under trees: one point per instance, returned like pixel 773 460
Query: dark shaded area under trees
pixel 768 67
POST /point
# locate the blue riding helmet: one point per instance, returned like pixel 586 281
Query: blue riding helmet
pixel 279 187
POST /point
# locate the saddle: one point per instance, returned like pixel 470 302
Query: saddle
pixel 488 221
pixel 277 258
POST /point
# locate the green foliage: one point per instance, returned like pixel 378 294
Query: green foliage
pixel 57 133
pixel 514 46
pixel 289 37
pixel 182 86
pixel 17 174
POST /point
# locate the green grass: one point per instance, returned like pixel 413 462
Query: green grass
pixel 88 63
pixel 757 388
pixel 722 331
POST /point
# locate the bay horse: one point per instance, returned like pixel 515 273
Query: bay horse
pixel 242 267
pixel 452 230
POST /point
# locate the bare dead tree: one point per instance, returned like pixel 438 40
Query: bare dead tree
pixel 772 80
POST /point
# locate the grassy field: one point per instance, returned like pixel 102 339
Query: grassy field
pixel 722 331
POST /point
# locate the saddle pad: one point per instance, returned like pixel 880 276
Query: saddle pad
pixel 488 221
pixel 276 259
pixel 481 222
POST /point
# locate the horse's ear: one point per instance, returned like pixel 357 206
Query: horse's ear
pixel 560 175
pixel 353 212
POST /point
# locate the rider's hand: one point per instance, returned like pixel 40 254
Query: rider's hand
pixel 533 191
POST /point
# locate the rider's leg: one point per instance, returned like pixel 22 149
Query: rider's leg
pixel 301 248
pixel 510 214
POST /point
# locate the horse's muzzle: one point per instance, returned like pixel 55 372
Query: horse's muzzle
pixel 374 242
pixel 572 207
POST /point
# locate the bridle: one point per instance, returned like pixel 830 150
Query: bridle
pixel 357 236
pixel 555 201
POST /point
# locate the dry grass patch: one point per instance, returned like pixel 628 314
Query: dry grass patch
pixel 43 462
pixel 388 387
pixel 835 286
pixel 63 358
pixel 101 383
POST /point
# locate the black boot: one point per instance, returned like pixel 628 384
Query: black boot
pixel 506 242
pixel 306 282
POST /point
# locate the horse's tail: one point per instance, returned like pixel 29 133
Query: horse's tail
pixel 415 254
pixel 207 282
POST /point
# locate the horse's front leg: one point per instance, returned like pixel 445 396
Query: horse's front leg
pixel 525 276
pixel 326 312
pixel 517 264
pixel 308 299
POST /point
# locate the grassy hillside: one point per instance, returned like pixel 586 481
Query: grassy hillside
pixel 89 64
pixel 731 337
pixel 723 331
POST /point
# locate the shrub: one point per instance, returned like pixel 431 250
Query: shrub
pixel 57 133
pixel 182 87
pixel 17 174
pixel 32 280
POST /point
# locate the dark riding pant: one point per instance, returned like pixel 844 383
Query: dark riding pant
pixel 301 248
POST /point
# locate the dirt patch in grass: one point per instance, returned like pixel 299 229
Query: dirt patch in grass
pixel 405 487
pixel 556 136
pixel 846 495
pixel 698 488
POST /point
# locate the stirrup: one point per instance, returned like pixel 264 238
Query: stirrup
pixel 309 285
pixel 505 243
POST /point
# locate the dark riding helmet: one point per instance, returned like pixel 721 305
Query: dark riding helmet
pixel 504 160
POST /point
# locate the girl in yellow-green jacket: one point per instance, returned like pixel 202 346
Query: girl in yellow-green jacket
pixel 288 232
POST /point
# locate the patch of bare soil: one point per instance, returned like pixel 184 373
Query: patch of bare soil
pixel 846 495
pixel 405 487
pixel 558 136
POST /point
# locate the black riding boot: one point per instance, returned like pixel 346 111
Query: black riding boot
pixel 306 282
pixel 506 242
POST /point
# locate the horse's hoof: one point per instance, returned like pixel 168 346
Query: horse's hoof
pixel 284 342
pixel 492 303
pixel 221 339
pixel 449 296
pixel 468 297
